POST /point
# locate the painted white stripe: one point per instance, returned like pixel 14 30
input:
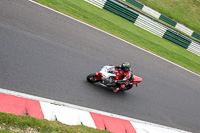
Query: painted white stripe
pixel 143 128
pixel 48 111
pixel 116 37
pixel 184 29
pixel 50 103
pixel 67 115
pixel 151 12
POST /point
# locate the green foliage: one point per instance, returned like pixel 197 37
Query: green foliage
pixel 125 30
pixel 4 131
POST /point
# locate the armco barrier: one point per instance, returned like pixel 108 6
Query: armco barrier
pixel 177 39
pixel 165 19
pixel 152 25
pixel 194 48
pixel 135 3
pixel 120 11
pixel 184 29
pixel 98 3
pixel 196 35
pixel 151 12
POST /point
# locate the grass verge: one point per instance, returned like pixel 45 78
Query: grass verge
pixel 126 30
pixel 185 11
pixel 23 123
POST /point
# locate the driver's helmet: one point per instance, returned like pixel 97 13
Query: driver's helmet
pixel 126 66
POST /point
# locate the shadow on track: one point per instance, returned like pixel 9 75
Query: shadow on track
pixel 102 89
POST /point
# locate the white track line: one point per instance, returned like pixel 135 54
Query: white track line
pixel 116 37
pixel 59 103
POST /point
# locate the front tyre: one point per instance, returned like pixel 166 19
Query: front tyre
pixel 128 87
pixel 92 78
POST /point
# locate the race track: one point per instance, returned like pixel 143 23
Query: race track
pixel 46 54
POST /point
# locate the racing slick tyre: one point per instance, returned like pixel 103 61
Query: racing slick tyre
pixel 92 78
pixel 128 87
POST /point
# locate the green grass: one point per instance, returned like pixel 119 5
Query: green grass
pixel 126 30
pixel 186 12
pixel 23 122
pixel 5 131
pixel 162 21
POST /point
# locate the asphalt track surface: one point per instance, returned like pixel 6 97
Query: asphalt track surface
pixel 45 54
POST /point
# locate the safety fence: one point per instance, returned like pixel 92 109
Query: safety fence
pixel 164 18
pixel 120 10
pixel 98 3
pixel 177 39
pixel 149 24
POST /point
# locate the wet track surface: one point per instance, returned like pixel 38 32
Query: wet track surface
pixel 46 54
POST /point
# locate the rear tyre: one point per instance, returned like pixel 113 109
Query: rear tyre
pixel 92 78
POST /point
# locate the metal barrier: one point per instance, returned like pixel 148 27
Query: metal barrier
pixel 150 24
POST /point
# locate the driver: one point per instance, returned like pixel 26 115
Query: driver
pixel 128 76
